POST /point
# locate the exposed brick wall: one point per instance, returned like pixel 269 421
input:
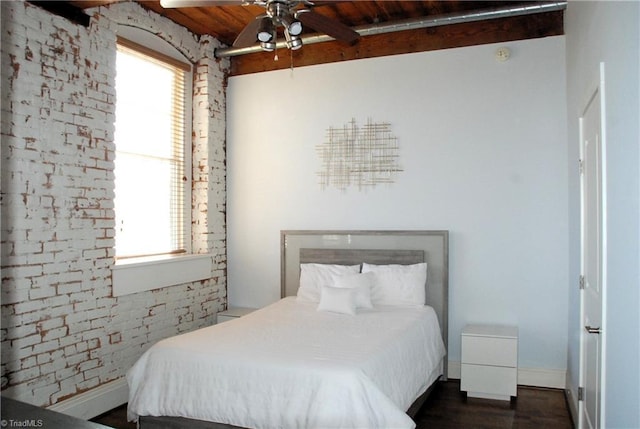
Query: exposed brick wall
pixel 209 152
pixel 62 331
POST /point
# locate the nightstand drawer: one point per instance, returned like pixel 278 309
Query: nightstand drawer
pixel 483 381
pixel 489 367
pixel 490 351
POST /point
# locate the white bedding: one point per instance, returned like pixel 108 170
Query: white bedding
pixel 291 366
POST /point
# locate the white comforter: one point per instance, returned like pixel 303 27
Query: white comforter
pixel 290 366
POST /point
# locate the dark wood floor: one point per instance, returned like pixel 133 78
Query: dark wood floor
pixel 535 408
pixel 116 418
pixel 447 408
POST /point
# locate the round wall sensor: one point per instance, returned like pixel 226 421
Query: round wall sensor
pixel 503 54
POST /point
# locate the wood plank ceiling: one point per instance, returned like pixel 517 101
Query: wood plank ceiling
pixel 225 23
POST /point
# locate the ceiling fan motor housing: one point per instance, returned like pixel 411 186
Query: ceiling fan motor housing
pixel 280 11
pixel 283 13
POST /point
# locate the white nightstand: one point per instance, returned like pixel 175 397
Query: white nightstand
pixel 489 361
pixel 233 313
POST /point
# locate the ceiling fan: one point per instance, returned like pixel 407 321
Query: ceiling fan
pixel 283 14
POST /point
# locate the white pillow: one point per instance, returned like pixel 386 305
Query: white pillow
pixel 361 283
pixel 402 285
pixel 314 276
pixel 337 300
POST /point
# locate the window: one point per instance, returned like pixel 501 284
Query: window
pixel 152 164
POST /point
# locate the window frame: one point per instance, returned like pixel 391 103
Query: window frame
pixel 184 186
pixel 138 274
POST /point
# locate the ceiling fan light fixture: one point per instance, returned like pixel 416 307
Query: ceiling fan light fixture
pixel 293 26
pixel 265 31
pixel 264 36
pixel 271 44
pixel 268 46
pixel 294 42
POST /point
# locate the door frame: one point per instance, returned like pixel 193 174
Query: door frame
pixel 597 87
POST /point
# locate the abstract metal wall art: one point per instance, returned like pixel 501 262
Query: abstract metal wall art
pixel 359 156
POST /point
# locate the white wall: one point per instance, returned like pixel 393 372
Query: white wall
pixel 609 32
pixel 483 148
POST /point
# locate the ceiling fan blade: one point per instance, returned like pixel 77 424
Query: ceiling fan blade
pixel 249 34
pixel 168 4
pixel 329 26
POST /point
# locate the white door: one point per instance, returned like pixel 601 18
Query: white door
pixel 591 136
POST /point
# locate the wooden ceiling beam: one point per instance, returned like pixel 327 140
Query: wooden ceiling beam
pixel 402 42
pixel 65 10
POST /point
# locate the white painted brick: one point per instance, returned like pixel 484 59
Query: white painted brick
pixel 44 358
pixel 70 339
pixel 53 366
pixel 55 334
pixel 58 301
pixel 87 365
pixel 45 391
pixel 29 362
pixel 13 295
pixel 39 293
pixel 69 384
pixel 11 364
pixel 65 391
pixel 61 154
pixel 27 271
pixel 24 331
pixel 21 376
pixel 46 347
pixel 53 323
pixel 79 327
pixel 69 287
pixel 28 306
pixel 31 317
pixel 38 258
pixel 88 384
pixel 26 248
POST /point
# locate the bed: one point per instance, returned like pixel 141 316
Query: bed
pixel 327 360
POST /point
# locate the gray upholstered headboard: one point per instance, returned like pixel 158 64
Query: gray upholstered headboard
pixel 374 247
pixel 358 256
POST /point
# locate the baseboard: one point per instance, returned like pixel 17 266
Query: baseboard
pixel 94 402
pixel 572 405
pixel 538 377
pixel 571 396
pixel 453 370
pixel 542 377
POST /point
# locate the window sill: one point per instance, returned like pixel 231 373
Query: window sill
pixel 143 274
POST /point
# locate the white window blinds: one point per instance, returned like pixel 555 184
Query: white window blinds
pixel 152 183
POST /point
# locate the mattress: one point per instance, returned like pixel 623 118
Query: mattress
pixel 290 366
